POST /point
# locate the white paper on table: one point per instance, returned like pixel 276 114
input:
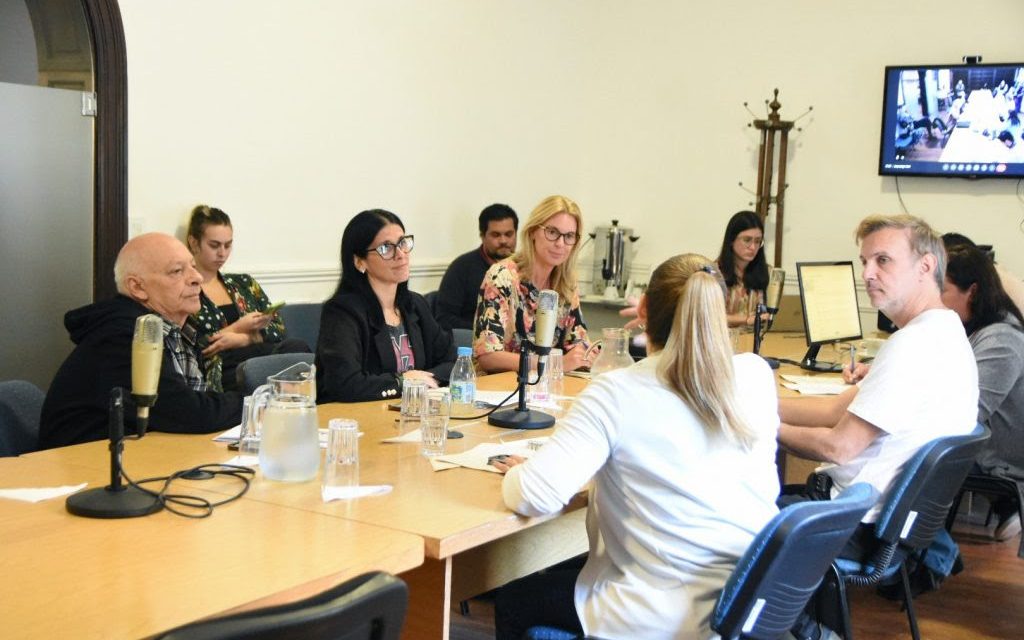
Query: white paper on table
pixel 476 458
pixel 347 493
pixel 828 389
pixel 412 435
pixel 812 380
pixel 494 397
pixel 40 494
pixel 245 461
pixel 234 433
pixel 438 465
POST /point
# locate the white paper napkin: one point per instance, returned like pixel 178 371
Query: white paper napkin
pixel 476 458
pixel 347 493
pixel 38 495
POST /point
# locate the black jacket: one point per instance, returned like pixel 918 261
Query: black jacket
pixel 354 357
pixel 77 403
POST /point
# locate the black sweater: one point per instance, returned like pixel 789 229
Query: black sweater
pixel 77 403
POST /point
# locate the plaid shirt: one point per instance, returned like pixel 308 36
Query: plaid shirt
pixel 181 342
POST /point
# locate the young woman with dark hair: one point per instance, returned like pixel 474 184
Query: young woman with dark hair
pixel 743 265
pixel 995 328
pixel 374 332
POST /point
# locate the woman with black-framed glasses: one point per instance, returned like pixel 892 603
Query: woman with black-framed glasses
pixel 374 332
pixel 744 267
pixel 546 259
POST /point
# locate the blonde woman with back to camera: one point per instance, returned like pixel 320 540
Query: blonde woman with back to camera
pixel 683 469
pixel 546 259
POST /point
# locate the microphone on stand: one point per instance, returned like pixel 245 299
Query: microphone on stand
pixel 773 295
pixel 117 500
pixel 544 336
pixel 770 306
pixel 147 354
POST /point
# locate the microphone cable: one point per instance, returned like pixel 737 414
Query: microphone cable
pixel 180 503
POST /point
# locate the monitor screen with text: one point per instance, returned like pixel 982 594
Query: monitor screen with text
pixel 828 293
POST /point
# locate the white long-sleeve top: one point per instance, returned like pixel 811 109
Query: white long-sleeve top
pixel 671 509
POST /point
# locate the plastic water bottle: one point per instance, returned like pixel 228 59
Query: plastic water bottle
pixel 463 384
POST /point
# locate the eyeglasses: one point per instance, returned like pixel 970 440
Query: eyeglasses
pixel 387 250
pixel 553 234
pixel 751 241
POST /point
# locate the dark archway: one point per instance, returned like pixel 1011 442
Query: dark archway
pixel 110 168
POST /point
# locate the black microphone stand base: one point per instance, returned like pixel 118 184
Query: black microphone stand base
pixel 104 502
pixel 517 419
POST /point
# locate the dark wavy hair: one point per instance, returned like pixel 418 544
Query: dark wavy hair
pixel 355 241
pixel 967 265
pixel 755 276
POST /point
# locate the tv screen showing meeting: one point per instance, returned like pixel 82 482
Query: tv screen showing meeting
pixel 828 294
pixel 953 121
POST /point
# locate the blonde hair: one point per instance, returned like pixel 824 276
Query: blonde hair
pixel 687 324
pixel 923 239
pixel 563 277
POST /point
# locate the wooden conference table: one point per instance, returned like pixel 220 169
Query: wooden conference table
pixel 467 540
pixel 447 533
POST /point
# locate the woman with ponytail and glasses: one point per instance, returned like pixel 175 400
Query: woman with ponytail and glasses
pixel 683 469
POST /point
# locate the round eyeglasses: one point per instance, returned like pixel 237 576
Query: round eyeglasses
pixel 751 241
pixel 553 234
pixel 387 250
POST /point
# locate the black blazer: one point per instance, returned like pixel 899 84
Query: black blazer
pixel 354 358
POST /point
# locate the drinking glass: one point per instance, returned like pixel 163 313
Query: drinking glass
pixel 341 461
pixel 437 409
pixel 413 396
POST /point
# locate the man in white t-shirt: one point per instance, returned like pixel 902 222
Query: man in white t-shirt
pixel 923 383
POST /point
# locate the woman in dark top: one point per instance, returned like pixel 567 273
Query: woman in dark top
pixel 374 332
pixel 742 263
pixel 231 320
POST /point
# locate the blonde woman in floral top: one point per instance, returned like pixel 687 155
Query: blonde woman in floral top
pixel 546 259
pixel 231 320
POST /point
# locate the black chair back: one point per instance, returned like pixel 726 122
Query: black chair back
pixel 21 404
pixel 253 372
pixel 785 563
pixel 302 321
pixel 370 607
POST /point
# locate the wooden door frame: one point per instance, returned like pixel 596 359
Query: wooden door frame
pixel 110 152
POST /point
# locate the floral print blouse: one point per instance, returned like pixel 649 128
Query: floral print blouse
pixel 248 296
pixel 501 294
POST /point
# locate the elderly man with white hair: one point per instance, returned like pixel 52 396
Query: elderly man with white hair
pixel 155 273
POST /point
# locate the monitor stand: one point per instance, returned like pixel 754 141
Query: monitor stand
pixel 811 363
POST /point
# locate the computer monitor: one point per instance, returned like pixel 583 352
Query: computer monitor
pixel 828 295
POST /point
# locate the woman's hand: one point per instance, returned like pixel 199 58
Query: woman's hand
pixel 506 464
pixel 250 323
pixel 575 358
pixel 859 371
pixel 426 376
pixel 225 341
pixel 631 312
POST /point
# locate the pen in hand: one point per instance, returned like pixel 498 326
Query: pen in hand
pixel 853 359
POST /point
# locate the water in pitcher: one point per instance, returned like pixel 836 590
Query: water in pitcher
pixel 289 443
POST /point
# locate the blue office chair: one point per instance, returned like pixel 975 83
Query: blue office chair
pixel 913 513
pixel 21 403
pixel 302 321
pixel 780 570
pixel 253 372
pixel 370 607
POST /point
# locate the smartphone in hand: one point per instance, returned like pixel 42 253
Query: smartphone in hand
pixel 272 309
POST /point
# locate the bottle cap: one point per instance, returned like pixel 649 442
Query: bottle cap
pixel 465 351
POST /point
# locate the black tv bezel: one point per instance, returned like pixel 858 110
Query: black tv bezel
pixel 885 132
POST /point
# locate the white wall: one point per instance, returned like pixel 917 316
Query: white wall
pixel 293 116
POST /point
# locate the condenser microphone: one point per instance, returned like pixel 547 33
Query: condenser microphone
pixel 544 323
pixel 773 296
pixel 147 354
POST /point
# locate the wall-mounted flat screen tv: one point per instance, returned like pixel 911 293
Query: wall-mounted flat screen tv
pixel 953 120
